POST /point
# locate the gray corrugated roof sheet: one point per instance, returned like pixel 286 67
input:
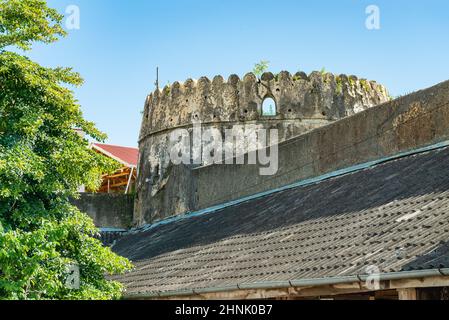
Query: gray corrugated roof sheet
pixel 394 216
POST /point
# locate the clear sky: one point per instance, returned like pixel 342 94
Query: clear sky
pixel 120 43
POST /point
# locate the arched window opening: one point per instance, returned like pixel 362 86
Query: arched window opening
pixel 269 107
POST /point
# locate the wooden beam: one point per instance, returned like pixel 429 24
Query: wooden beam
pixel 119 175
pixel 282 293
pixel 406 290
pixel 121 170
pixel 407 294
pixel 386 295
pixel 121 184
pixel 129 181
pixel 429 282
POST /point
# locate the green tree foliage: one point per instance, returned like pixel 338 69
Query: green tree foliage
pixel 260 68
pixel 43 161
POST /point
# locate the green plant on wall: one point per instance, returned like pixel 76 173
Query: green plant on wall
pixel 297 76
pixel 365 84
pixel 260 68
pixel 167 88
pixel 339 82
pixel 352 81
pixel 323 75
pixel 43 161
pixel 323 72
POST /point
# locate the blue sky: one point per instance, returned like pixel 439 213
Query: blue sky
pixel 120 43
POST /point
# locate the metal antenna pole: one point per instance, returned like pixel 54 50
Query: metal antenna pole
pixel 157 78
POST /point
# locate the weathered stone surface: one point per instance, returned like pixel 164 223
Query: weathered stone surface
pixel 303 104
pixel 392 215
pixel 414 121
pixel 107 210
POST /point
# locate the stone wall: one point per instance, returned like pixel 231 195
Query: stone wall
pixel 107 210
pixel 303 103
pixel 414 121
pixel 318 96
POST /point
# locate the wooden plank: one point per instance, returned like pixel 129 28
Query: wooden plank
pixel 429 282
pixel 386 295
pixel 121 184
pixel 286 293
pixel 119 175
pixel 390 290
pixel 121 170
pixel 407 294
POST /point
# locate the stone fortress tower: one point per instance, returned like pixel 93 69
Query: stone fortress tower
pixel 301 103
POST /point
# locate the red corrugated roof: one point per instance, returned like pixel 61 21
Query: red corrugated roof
pixel 125 155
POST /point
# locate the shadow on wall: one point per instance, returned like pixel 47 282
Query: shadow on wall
pixel 107 210
pixel 362 193
pixel 291 104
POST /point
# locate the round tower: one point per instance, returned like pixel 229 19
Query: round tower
pixel 292 104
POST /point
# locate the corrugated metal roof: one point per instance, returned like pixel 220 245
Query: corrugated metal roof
pixel 394 215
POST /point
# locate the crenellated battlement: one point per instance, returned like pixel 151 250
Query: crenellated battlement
pixel 301 103
pixel 318 96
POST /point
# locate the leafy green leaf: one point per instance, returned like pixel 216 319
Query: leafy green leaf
pixel 43 161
